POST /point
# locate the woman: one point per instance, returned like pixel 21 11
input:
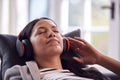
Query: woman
pixel 47 46
pixel 92 56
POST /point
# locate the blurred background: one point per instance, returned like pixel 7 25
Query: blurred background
pixel 99 20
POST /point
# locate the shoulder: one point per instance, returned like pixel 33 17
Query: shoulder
pixel 14 72
pixel 20 72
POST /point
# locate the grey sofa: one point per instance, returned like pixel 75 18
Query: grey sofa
pixel 9 57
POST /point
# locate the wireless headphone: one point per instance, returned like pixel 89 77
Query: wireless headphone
pixel 24 48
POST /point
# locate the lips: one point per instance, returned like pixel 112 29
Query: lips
pixel 52 40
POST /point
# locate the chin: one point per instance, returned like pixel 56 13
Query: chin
pixel 57 49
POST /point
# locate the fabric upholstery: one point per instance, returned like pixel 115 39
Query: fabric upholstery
pixel 8 53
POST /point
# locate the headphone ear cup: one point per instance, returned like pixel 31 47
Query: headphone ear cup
pixel 25 49
pixel 66 44
pixel 28 49
pixel 20 47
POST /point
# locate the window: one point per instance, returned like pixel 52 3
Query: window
pixel 38 8
pixel 12 12
pixel 91 19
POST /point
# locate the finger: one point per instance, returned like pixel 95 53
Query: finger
pixel 81 53
pixel 77 46
pixel 78 41
pixel 80 60
pixel 74 46
pixel 82 40
pixel 75 42
pixel 78 49
pixel 78 38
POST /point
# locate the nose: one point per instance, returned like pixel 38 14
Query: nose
pixel 51 33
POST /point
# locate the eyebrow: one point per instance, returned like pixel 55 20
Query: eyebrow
pixel 45 28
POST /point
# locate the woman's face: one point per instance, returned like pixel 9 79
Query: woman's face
pixel 46 39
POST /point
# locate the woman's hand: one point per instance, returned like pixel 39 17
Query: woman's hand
pixel 92 56
pixel 89 53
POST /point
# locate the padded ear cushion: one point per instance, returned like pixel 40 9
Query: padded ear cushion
pixel 25 49
pixel 28 49
pixel 20 47
pixel 66 45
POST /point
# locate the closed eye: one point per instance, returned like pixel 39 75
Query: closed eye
pixel 56 31
pixel 40 31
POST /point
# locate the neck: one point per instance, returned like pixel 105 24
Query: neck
pixel 53 62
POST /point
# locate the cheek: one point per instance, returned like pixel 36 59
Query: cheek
pixel 38 46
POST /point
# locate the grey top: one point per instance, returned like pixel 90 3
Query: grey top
pixel 31 72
